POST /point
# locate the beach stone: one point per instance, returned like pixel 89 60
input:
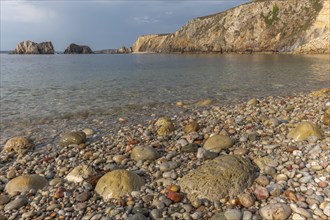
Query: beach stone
pixel 261 193
pixel 321 92
pixel 204 102
pixel 25 183
pixel 144 153
pixel 189 148
pixel 246 199
pixel 73 138
pixel 326 117
pixel 276 211
pixel 4 199
pixel 137 216
pixel 304 130
pixel 88 131
pixel 217 143
pixel 118 183
pixel 166 166
pixel 191 127
pixel 164 126
pixel 226 175
pixel 83 196
pixel 16 204
pixel 80 173
pixel 326 210
pixel 228 215
pixel 2 217
pixel 253 102
pixel 262 162
pixel 18 144
pixel 247 215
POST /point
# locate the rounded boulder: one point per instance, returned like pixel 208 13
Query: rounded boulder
pixel 18 144
pixel 304 130
pixel 217 143
pixel 25 183
pixel 73 138
pixel 118 183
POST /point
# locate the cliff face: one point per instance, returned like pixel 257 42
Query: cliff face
pixel 78 49
pixel 259 26
pixel 29 47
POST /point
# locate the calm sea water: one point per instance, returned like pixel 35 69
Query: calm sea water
pixel 44 86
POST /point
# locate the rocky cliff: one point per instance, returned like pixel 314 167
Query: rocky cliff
pixel 29 47
pixel 78 49
pixel 300 26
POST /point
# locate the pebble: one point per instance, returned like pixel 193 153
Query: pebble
pixel 247 200
pixel 16 204
pixel 261 193
pixel 166 166
pixel 4 199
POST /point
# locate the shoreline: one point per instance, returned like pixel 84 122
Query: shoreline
pixel 296 175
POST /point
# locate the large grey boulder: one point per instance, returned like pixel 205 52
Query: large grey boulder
pixel 224 176
pixel 78 49
pixel 29 47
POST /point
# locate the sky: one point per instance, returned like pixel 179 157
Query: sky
pixel 98 24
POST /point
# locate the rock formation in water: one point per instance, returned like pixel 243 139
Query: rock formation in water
pixel 299 26
pixel 78 49
pixel 29 47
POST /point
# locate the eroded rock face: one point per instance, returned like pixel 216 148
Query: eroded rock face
pixel 304 130
pixel 118 183
pixel 78 49
pixel 25 183
pixel 219 178
pixel 18 144
pixel 29 47
pixel 300 26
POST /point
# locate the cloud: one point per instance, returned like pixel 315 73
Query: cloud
pixel 145 19
pixel 25 12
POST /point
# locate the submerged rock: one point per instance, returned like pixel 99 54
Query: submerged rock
pixel 217 143
pixel 224 176
pixel 73 138
pixel 25 183
pixel 18 144
pixel 304 130
pixel 118 183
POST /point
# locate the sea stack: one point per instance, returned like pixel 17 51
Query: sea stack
pixel 78 49
pixel 29 47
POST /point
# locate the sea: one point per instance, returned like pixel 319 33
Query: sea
pixel 37 87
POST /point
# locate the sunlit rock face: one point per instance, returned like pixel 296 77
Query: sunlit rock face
pixel 29 47
pixel 298 26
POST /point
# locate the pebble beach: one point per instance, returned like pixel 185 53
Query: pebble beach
pixel 265 158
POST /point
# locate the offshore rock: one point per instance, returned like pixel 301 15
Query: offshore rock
pixel 118 183
pixel 222 177
pixel 78 49
pixel 299 26
pixel 25 183
pixel 304 130
pixel 29 47
pixel 18 144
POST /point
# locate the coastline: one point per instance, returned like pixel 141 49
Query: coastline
pixel 259 129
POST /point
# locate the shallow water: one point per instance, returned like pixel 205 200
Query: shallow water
pixel 64 86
